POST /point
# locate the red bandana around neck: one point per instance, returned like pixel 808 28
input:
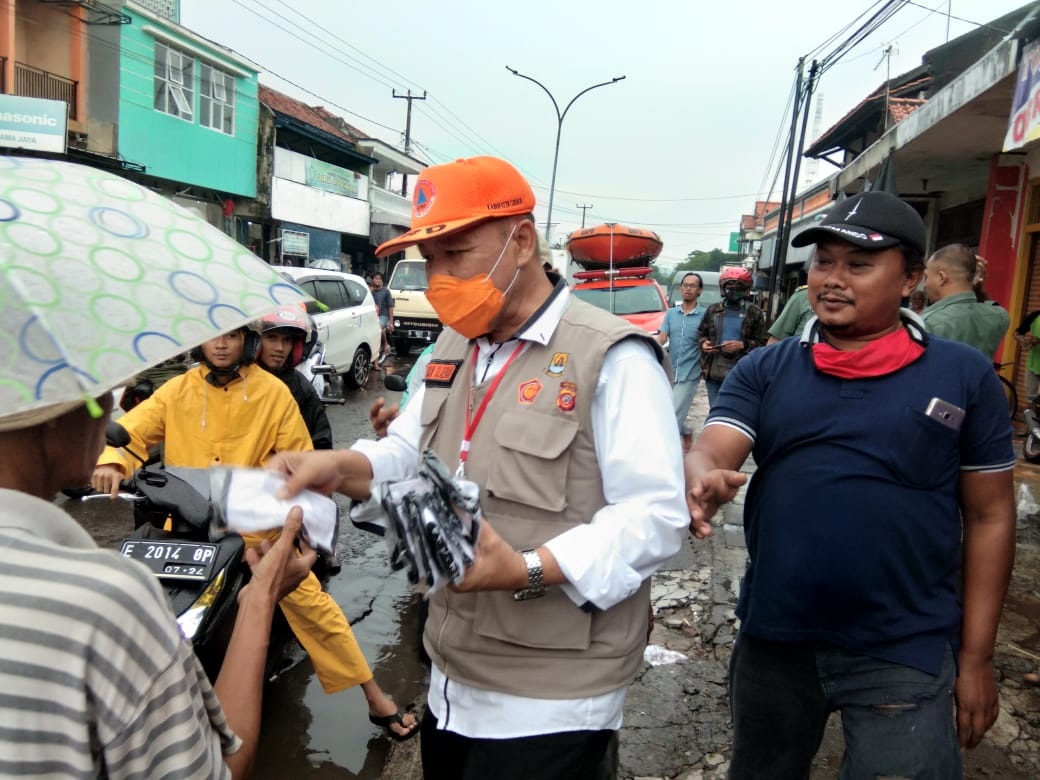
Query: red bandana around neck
pixel 882 356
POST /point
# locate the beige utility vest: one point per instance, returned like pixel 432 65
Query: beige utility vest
pixel 534 457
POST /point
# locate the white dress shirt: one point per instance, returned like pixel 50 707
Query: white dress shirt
pixel 606 560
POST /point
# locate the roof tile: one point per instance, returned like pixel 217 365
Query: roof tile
pixel 299 110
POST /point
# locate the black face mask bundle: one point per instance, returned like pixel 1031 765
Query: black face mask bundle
pixel 431 525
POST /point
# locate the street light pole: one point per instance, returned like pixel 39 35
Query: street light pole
pixel 559 127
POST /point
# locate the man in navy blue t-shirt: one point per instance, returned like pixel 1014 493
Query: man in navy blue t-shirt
pixel 884 469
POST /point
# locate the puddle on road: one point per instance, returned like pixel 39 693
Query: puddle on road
pixel 308 734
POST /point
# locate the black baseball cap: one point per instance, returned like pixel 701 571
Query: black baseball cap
pixel 871 220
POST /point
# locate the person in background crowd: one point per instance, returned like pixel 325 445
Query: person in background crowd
pixel 533 652
pixel 679 330
pixel 98 679
pixel 150 380
pixel 385 306
pixel 979 283
pixel 287 337
pixel 730 329
pixel 918 301
pixel 228 411
pixel 955 311
pixel 792 319
pixel 1028 336
pixel 880 523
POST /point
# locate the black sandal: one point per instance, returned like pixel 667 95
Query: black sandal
pixel 386 721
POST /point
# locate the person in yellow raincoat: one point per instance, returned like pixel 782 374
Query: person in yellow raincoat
pixel 228 411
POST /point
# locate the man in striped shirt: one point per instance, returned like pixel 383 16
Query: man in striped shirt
pixel 96 679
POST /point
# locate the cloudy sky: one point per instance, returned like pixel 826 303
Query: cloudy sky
pixel 682 145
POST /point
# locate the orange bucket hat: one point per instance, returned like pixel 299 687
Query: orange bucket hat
pixel 457 195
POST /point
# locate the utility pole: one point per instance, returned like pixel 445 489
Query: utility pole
pixel 408 131
pixel 802 100
pixel 583 208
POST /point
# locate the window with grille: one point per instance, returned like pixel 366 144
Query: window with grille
pixel 217 99
pixel 174 82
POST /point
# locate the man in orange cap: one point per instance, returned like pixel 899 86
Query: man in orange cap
pixel 561 413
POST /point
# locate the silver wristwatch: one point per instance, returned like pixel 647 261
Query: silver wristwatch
pixel 535 588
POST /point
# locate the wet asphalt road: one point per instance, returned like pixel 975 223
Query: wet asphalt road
pixel 305 733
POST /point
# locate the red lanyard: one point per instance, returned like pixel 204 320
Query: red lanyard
pixel 474 421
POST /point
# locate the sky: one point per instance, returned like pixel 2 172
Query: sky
pixel 681 146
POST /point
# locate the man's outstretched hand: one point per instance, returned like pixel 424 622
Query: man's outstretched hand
pixel 706 492
pixel 325 471
pixel 278 567
pixel 381 416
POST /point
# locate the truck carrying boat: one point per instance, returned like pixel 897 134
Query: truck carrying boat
pixel 613 245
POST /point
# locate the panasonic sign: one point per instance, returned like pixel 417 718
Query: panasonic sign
pixel 33 123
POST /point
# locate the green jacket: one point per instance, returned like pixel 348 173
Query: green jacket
pixel 960 317
pixel 797 311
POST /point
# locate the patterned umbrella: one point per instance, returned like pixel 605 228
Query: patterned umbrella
pixel 101 278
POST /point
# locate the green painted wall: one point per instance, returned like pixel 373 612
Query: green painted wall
pixel 178 149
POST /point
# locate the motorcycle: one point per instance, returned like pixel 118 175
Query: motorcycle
pixel 323 377
pixel 1031 445
pixel 202 568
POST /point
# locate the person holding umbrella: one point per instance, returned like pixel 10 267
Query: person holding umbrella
pixel 96 674
pixel 229 411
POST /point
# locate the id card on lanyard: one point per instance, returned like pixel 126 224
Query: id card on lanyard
pixel 473 419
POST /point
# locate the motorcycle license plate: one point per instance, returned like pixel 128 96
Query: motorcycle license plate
pixel 173 560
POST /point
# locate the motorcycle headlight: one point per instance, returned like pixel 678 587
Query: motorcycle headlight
pixel 190 620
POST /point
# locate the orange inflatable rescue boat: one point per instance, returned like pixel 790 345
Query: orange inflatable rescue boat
pixel 618 245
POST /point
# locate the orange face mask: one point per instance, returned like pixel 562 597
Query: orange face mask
pixel 469 305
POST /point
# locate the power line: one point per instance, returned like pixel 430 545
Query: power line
pixel 867 29
pixel 842 31
pixel 480 146
pixel 651 200
pixel 471 139
pixel 959 19
pixel 776 146
pixel 895 37
pixel 348 44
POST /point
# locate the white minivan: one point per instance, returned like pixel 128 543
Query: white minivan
pixel 348 326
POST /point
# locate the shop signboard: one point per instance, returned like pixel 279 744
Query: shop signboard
pixel 33 123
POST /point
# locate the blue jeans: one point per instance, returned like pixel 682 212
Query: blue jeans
pixel 682 397
pixel 897 721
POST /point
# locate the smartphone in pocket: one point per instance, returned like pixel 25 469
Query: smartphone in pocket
pixel 946 413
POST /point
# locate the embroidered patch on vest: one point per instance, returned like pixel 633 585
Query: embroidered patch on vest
pixel 441 373
pixel 566 398
pixel 529 390
pixel 558 364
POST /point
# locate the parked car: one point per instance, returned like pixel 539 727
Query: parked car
pixel 415 321
pixel 348 327
pixel 631 293
pixel 709 295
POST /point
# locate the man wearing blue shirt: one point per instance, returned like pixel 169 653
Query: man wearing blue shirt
pixel 679 331
pixel 880 523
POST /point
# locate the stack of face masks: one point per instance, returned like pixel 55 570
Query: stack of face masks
pixel 244 501
pixel 431 524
